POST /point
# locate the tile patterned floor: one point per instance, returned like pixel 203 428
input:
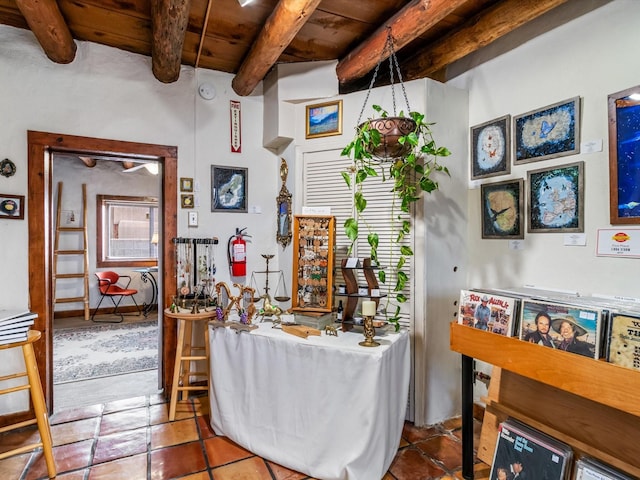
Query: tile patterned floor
pixel 133 439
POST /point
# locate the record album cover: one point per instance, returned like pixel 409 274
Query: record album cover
pixel 486 311
pixel 523 453
pixel 624 340
pixel 591 469
pixel 569 327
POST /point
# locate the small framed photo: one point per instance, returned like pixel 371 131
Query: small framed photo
pixel 503 209
pixel 549 132
pixel 186 184
pixel 11 207
pixel 229 187
pixel 491 148
pixel 186 200
pixel 556 199
pixel 324 119
pixel 624 147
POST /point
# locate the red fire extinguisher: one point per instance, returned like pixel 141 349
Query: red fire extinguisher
pixel 237 253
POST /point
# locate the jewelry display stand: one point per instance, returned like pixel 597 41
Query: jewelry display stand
pixel 195 267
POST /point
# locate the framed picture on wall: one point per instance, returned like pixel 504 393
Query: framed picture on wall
pixel 549 132
pixel 556 199
pixel 186 184
pixel 502 209
pixel 324 119
pixel 491 148
pixel 11 207
pixel 624 151
pixel 186 201
pixel 229 187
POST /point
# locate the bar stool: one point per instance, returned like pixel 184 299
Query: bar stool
pixel 37 397
pixel 185 354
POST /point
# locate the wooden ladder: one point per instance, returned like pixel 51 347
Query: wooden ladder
pixel 84 251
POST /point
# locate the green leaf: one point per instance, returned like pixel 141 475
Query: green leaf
pixel 361 175
pixel 373 240
pixel 376 138
pixel 401 298
pixel 347 178
pixel 351 229
pixel 382 276
pixel 360 201
pixel 405 250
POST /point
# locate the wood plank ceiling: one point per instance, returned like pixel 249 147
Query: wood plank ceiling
pixel 429 35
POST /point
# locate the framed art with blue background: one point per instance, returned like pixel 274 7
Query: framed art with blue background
pixel 549 132
pixel 229 189
pixel 556 199
pixel 324 119
pixel 624 155
pixel 502 207
pixel 491 148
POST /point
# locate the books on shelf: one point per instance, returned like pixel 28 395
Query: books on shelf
pixel 485 310
pixel 523 452
pixel 588 468
pixel 14 325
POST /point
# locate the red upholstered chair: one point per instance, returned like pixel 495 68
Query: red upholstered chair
pixel 109 287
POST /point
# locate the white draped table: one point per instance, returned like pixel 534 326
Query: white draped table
pixel 323 406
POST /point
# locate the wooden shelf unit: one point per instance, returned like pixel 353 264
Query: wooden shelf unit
pixel 351 280
pixel 592 405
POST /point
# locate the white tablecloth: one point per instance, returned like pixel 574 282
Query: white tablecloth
pixel 323 406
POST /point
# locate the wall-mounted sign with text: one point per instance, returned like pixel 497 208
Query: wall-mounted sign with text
pixel 618 242
pixel 236 127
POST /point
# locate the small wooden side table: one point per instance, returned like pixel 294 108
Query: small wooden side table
pixel 185 354
pixel 37 397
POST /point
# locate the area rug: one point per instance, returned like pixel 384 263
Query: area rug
pixel 104 350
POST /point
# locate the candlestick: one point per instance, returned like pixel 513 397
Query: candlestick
pixel 368 308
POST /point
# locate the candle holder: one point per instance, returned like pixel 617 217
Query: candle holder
pixel 369 333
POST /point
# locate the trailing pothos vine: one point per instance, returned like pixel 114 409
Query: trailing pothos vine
pixel 411 174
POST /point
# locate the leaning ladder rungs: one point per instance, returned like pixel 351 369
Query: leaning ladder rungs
pixel 70 275
pixel 70 300
pixel 71 229
pixel 69 252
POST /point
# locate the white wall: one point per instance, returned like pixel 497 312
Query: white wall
pixel 590 57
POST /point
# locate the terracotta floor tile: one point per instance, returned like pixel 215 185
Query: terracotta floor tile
pixel 13 467
pixel 157 398
pixel 71 432
pixel 252 468
pixel 201 405
pixel 283 473
pixel 413 434
pixel 173 433
pixel 221 450
pixel 119 405
pixel 68 457
pixel 73 414
pixel 77 475
pixel 444 448
pixel 120 445
pixel 158 413
pixel 204 427
pixel 197 476
pixel 18 438
pixel 125 420
pixel 452 423
pixel 184 410
pixel 411 464
pixel 130 467
pixel 177 461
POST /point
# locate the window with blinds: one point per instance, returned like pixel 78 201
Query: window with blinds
pixel 324 186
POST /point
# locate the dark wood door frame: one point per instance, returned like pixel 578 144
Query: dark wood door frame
pixel 40 211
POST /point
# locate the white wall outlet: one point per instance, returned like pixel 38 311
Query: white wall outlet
pixel 193 219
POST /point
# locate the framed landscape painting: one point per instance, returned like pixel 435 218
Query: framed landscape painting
pixel 490 148
pixel 324 119
pixel 549 132
pixel 556 199
pixel 502 209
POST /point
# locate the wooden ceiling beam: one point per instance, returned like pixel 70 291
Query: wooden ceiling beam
pixel 406 25
pixel 476 33
pixel 286 20
pixel 49 27
pixel 169 20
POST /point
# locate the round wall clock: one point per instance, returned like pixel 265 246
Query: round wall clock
pixel 7 168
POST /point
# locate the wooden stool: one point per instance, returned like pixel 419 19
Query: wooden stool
pixel 185 353
pixel 37 397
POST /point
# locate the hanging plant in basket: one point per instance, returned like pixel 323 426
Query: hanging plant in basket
pixel 399 149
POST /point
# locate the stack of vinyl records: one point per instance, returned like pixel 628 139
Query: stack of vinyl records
pixel 525 453
pixel 591 469
pixel 14 325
